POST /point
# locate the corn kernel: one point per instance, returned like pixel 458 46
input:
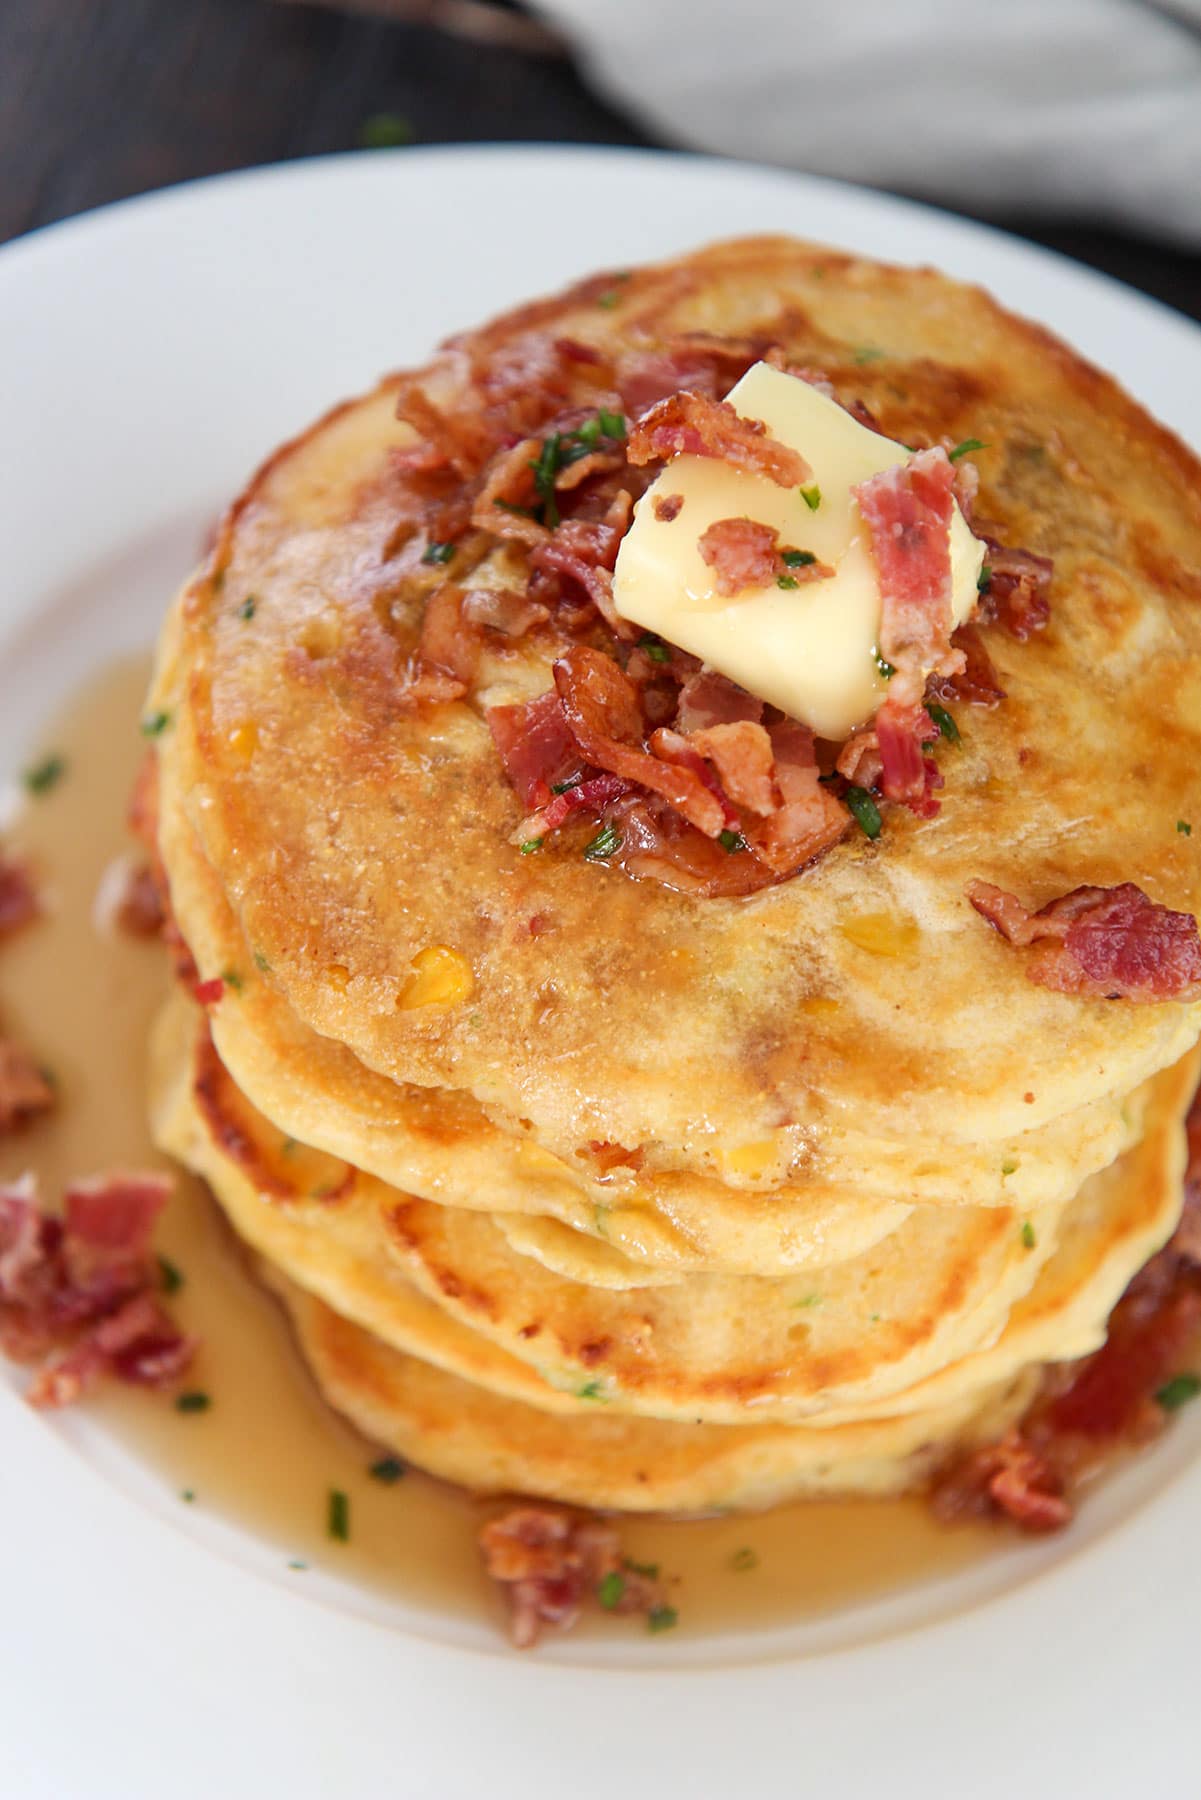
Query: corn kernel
pixel 752 1159
pixel 819 1006
pixel 338 977
pixel 441 977
pixel 243 740
pixel 880 934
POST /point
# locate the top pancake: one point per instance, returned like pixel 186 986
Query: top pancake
pixel 350 834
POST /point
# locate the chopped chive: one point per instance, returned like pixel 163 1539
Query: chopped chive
pixel 655 649
pixel 589 433
pixel 170 1277
pixel 650 1570
pixel 866 354
pixel 812 496
pixel 545 466
pixel 248 607
pixel 612 424
pixel 385 131
pixel 1184 828
pixel 733 841
pixel 337 1520
pixel 188 1494
pixel 438 553
pixel 1028 1238
pixel 297 1564
pixel 261 963
pixel 885 669
pixel 942 718
pixel 606 842
pixel 787 581
pixel 389 1470
pixel 797 559
pixel 662 1618
pixel 1177 1392
pixel 530 845
pixel 155 723
pixel 609 300
pixel 610 1589
pixel 865 811
pixel 45 775
pixel 965 449
pixel 511 506
pixel 984 579
pixel 744 1559
pixel 192 1402
pixel 564 787
pixel 1009 1166
pixel 233 980
pixel 809 1300
pixel 591 1390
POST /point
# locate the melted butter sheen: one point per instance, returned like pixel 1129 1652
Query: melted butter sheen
pixel 268 1451
pixel 810 650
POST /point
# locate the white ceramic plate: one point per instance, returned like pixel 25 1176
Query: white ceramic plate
pixel 149 355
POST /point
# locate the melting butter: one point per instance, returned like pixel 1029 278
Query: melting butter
pixel 810 650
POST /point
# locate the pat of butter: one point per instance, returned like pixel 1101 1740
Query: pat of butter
pixel 810 650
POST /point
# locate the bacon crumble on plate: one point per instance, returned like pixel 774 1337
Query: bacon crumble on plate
pixel 79 1295
pixel 550 1564
pixel 1111 943
pixel 20 902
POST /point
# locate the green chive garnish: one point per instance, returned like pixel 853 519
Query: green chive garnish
pixel 338 1516
pixel 983 579
pixel 657 651
pixel 662 1618
pixel 609 300
pixel 170 1277
pixel 591 1390
pixel 610 1589
pixel 650 1570
pixel 545 466
pixel 965 449
pixel 942 718
pixel 604 844
pixel 511 506
pixel 1028 1238
pixel 866 354
pixel 1184 828
pixel 1177 1392
pixel 744 1559
pixel 261 963
pixel 385 131
pixel 192 1402
pixel 884 669
pixel 787 581
pixel 233 980
pixel 612 424
pixel 530 845
pixel 45 775
pixel 812 496
pixel 565 787
pixel 189 1495
pixel 865 811
pixel 438 553
pixel 155 723
pixel 733 841
pixel 248 607
pixel 797 559
pixel 389 1470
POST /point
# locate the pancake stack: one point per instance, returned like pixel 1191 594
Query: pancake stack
pixel 595 1189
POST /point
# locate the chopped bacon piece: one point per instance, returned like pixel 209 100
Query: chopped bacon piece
pixel 1017 596
pixel 691 424
pixel 504 610
pixel 906 774
pixel 78 1294
pixel 908 509
pixel 20 902
pixel 743 553
pixel 130 899
pixel 1112 943
pixel 708 698
pixel 859 758
pixel 536 746
pixel 448 649
pixel 585 550
pixel 592 795
pixel 207 993
pixel 976 682
pixel 608 1156
pixel 24 1090
pixel 661 846
pixel 810 819
pixel 503 504
pixel 550 1562
pixel 604 716
pixel 742 759
pixel 1011 1478
pixel 668 507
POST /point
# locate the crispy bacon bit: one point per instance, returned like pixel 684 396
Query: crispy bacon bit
pixel 608 1156
pixel 502 506
pixel 1017 596
pixel 536 746
pixel 24 1090
pixel 20 902
pixel 661 846
pixel 592 796
pixel 976 682
pixel 78 1294
pixel 549 1563
pixel 810 819
pixel 585 550
pixel 746 554
pixel 708 698
pixel 906 774
pixel 908 510
pixel 691 424
pixel 1111 943
pixel 859 759
pixel 743 761
pixel 668 507
pixel 504 610
pixel 1010 1478
pixel 603 713
pixel 448 650
pixel 129 899
pixel 207 993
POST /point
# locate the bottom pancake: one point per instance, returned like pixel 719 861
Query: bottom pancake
pixel 493 1444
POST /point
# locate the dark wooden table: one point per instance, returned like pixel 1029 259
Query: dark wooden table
pixel 104 98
